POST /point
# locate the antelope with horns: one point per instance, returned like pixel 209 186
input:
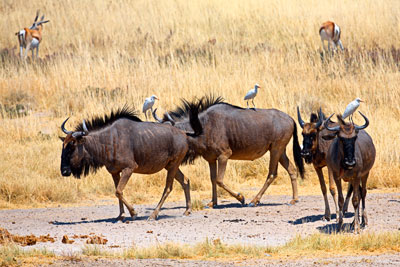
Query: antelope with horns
pixel 30 38
pixel 330 31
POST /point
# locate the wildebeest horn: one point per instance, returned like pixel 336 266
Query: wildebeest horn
pixel 156 117
pixel 63 127
pixel 320 119
pixel 301 122
pixel 170 118
pixel 334 129
pixel 365 124
pixel 85 129
pixel 82 133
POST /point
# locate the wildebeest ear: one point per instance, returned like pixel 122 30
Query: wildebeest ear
pixel 62 138
pixel 329 136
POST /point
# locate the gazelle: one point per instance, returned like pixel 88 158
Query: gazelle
pixel 31 38
pixel 330 32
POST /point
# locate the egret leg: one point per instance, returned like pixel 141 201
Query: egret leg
pixel 252 101
pixel 145 114
pixel 247 104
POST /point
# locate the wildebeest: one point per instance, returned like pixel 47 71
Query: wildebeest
pixel 231 132
pixel 314 151
pixel 124 145
pixel 350 157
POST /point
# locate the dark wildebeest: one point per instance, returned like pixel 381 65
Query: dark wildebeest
pixel 231 132
pixel 350 157
pixel 124 145
pixel 314 151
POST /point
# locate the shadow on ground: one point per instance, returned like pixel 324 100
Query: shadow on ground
pixel 315 218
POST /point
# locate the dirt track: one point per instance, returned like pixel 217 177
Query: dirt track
pixel 274 222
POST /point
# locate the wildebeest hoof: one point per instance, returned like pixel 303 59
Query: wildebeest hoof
pixel 293 201
pixel 187 213
pixel 210 205
pixel 120 218
pixel 326 218
pixel 251 204
pixel 241 199
pixel 152 217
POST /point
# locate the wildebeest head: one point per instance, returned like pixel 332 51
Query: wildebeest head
pixel 310 134
pixel 73 152
pixel 347 136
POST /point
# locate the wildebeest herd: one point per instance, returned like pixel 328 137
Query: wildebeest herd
pixel 219 131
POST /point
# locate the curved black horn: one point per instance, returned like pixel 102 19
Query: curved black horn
pixel 301 122
pixel 365 124
pixel 170 118
pixel 334 129
pixel 320 119
pixel 63 127
pixel 85 129
pixel 156 117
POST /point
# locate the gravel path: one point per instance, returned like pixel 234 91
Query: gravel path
pixel 272 223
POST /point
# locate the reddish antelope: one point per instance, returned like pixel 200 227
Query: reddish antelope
pixel 31 38
pixel 330 32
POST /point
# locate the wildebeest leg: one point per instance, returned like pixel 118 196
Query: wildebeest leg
pixel 185 183
pixel 116 177
pixel 285 162
pixel 333 194
pixel 346 202
pixel 168 188
pixel 356 203
pixel 364 220
pixel 213 176
pixel 222 162
pixel 338 182
pixel 322 184
pixel 125 175
pixel 272 174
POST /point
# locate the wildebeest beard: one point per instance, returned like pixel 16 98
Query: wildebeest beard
pixel 88 164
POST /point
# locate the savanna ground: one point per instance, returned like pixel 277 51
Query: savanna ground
pixel 99 55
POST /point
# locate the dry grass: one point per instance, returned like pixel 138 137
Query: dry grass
pixel 99 55
pixel 315 246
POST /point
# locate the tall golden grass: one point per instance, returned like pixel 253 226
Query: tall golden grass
pixel 98 55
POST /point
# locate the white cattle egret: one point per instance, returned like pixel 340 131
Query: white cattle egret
pixel 148 104
pixel 351 108
pixel 251 94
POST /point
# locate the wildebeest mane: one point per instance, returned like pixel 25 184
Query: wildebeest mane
pixel 203 104
pixel 99 122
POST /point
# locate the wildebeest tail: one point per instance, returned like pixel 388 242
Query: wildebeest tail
pixel 297 152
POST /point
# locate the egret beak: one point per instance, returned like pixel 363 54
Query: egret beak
pixel 362 101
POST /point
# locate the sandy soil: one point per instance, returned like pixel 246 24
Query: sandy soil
pixel 272 223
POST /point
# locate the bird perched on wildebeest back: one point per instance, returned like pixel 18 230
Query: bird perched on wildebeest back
pixel 251 94
pixel 148 104
pixel 351 108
